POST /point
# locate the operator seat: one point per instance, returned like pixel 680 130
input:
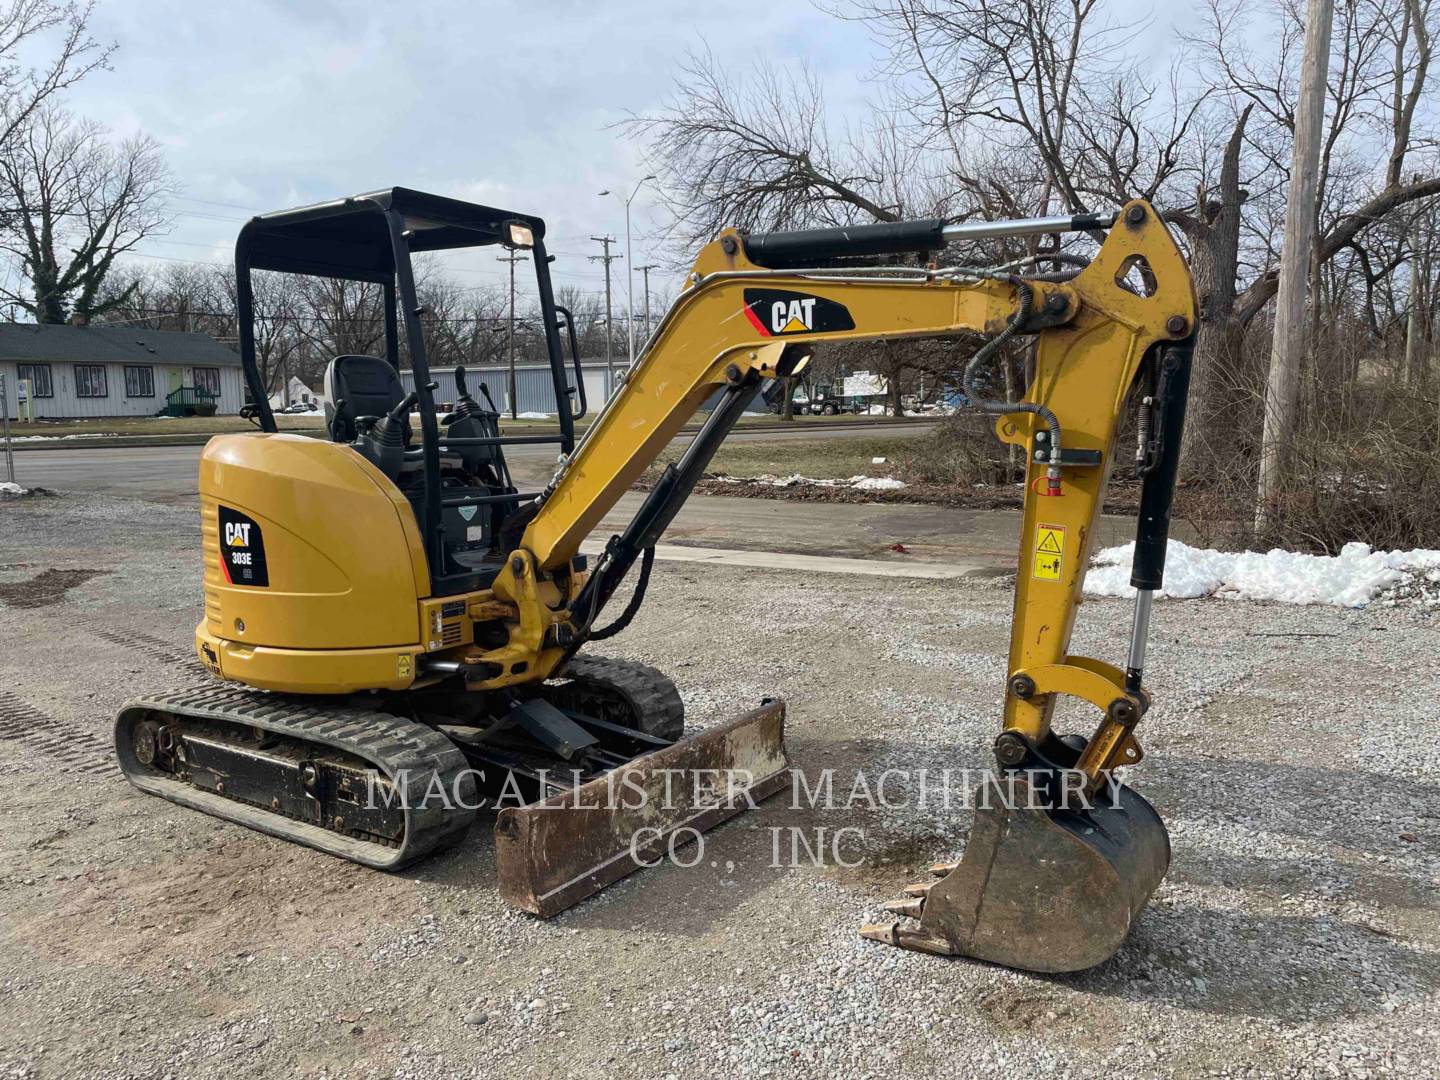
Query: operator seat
pixel 358 386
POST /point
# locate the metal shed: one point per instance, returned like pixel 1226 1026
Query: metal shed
pixel 535 391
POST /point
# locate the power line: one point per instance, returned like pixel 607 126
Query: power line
pixel 494 322
pixel 212 263
pixel 213 202
pixel 564 273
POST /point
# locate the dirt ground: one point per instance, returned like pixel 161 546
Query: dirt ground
pixel 1292 753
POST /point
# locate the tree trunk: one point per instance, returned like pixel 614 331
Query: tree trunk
pixel 893 368
pixel 1295 266
pixel 1013 393
pixel 1213 431
pixel 787 403
pixel 1414 366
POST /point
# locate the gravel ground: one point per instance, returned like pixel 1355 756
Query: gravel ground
pixel 1292 753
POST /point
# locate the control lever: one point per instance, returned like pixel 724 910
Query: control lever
pixel 488 399
pixel 390 430
pixel 467 406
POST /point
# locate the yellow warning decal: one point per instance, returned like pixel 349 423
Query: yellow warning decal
pixel 1049 551
pixel 404 667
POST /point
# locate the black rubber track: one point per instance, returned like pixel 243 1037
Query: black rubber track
pixel 654 703
pixel 395 746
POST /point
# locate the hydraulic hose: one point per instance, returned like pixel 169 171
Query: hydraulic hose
pixel 996 406
pixel 647 562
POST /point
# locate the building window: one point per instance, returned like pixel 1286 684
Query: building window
pixel 139 382
pixel 38 376
pixel 90 381
pixel 208 379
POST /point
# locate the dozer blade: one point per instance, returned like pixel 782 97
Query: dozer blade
pixel 554 853
pixel 1041 890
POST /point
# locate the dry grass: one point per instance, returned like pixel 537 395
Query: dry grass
pixel 1367 471
pixel 819 458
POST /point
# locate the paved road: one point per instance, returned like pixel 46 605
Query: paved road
pixel 864 531
pixel 168 473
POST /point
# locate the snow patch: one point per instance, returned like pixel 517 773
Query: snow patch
pixel 61 438
pixel 10 490
pixel 1351 579
pixel 859 483
pixel 532 416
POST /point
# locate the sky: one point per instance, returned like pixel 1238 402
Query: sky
pixel 262 105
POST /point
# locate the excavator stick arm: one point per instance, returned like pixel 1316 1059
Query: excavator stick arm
pixel 740 322
pixel 1050 889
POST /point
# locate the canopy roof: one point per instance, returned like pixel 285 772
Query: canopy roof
pixel 350 238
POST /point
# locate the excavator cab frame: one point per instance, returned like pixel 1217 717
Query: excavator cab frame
pixel 371 238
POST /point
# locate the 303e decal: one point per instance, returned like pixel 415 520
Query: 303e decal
pixel 242 550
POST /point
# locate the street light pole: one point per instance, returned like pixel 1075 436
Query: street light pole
pixel 630 263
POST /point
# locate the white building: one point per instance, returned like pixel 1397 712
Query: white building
pixel 296 392
pixel 103 371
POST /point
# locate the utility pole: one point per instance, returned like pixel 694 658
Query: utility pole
pixel 1288 347
pixel 512 259
pixel 645 270
pixel 5 419
pixel 607 259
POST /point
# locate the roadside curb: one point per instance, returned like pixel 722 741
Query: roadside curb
pixel 200 439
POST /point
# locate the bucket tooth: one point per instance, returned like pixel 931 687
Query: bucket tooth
pixel 911 909
pixel 889 933
pixel 915 940
pixel 1046 890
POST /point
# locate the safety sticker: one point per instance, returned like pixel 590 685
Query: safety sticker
pixel 404 667
pixel 1049 551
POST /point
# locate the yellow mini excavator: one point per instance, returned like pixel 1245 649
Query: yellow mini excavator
pixel 401 634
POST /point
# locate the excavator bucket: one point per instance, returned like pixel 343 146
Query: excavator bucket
pixel 1045 890
pixel 554 853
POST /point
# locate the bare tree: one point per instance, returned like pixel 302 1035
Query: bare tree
pixel 341 318
pixel 282 349
pixel 27 88
pixel 757 155
pixel 79 202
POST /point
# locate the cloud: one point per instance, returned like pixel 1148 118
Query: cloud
pixel 267 105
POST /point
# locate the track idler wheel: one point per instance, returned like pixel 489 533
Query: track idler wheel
pixel 1041 887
